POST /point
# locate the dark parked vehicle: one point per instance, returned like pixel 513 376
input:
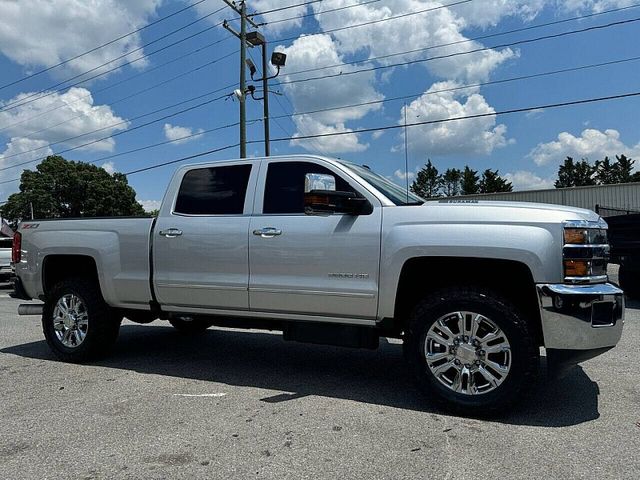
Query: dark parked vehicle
pixel 624 238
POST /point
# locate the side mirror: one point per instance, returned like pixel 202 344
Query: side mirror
pixel 326 200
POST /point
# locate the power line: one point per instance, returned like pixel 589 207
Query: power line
pixel 393 127
pixel 403 97
pixel 468 86
pixel 455 54
pixel 283 8
pixel 474 39
pixel 47 91
pixel 312 14
pixel 110 42
pixel 118 101
pixel 139 92
pixel 137 127
pixel 386 19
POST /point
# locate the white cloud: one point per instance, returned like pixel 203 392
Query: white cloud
pixel 377 134
pixel 436 27
pixel 593 5
pixel 109 167
pixel 478 136
pixel 592 144
pixel 150 205
pixel 60 116
pixel 42 33
pixel 177 134
pixel 525 180
pixel 402 175
pixel 316 50
pixel 347 142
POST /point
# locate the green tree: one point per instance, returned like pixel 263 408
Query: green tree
pixel 61 188
pixel 492 182
pixel 469 182
pixel 451 182
pixel 428 182
pixel 606 172
pixel 624 169
pixel 575 174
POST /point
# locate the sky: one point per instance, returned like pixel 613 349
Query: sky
pixel 154 92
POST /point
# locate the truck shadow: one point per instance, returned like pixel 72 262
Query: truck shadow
pixel 265 361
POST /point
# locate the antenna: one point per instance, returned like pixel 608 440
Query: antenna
pixel 406 152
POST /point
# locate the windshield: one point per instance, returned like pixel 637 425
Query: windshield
pixel 393 192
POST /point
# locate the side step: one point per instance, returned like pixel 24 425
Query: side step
pixel 338 335
pixel 30 309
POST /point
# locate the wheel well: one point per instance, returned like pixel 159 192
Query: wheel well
pixel 56 268
pixel 509 278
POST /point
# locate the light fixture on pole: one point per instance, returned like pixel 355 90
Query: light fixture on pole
pixel 278 60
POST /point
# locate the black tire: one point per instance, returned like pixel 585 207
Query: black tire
pixel 103 324
pixel 629 281
pixel 524 353
pixel 190 327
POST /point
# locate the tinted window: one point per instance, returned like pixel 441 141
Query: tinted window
pixel 214 191
pixel 6 242
pixel 284 189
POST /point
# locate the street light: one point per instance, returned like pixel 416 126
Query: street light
pixel 278 60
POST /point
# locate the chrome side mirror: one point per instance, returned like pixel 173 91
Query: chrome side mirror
pixel 319 181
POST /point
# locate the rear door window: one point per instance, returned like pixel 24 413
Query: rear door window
pixel 214 191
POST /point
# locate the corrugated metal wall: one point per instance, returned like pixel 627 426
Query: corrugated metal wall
pixel 623 196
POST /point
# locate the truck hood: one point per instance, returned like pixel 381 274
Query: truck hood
pixel 501 212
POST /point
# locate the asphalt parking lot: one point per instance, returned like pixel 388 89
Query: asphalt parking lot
pixel 233 404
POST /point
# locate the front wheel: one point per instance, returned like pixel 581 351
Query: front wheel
pixel 77 323
pixel 470 350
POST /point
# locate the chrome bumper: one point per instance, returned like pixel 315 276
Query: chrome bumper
pixel 581 317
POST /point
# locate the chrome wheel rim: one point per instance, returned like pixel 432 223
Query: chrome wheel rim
pixel 468 353
pixel 70 320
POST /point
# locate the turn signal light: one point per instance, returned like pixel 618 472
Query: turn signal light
pixel 577 268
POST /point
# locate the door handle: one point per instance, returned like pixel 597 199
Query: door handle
pixel 268 232
pixel 171 233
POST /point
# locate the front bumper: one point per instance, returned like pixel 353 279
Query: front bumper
pixel 581 317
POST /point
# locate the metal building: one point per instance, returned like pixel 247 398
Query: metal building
pixel 623 196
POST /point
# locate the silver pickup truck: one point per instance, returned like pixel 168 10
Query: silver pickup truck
pixel 329 252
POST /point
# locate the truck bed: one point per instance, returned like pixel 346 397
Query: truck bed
pixel 119 247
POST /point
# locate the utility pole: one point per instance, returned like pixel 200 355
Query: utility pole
pixel 278 59
pixel 265 95
pixel 242 11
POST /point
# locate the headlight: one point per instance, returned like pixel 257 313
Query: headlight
pixel 585 252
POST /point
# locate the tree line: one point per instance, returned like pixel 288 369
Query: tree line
pixel 429 183
pixel 602 172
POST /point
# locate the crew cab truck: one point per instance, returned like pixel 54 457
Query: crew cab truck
pixel 329 252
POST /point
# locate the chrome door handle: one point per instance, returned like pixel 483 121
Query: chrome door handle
pixel 171 233
pixel 268 232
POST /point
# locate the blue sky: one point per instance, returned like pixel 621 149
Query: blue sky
pixel 527 148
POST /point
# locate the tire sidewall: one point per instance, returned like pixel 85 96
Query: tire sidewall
pixel 514 328
pixel 102 328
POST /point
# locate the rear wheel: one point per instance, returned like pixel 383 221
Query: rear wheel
pixel 190 326
pixel 470 350
pixel 77 323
